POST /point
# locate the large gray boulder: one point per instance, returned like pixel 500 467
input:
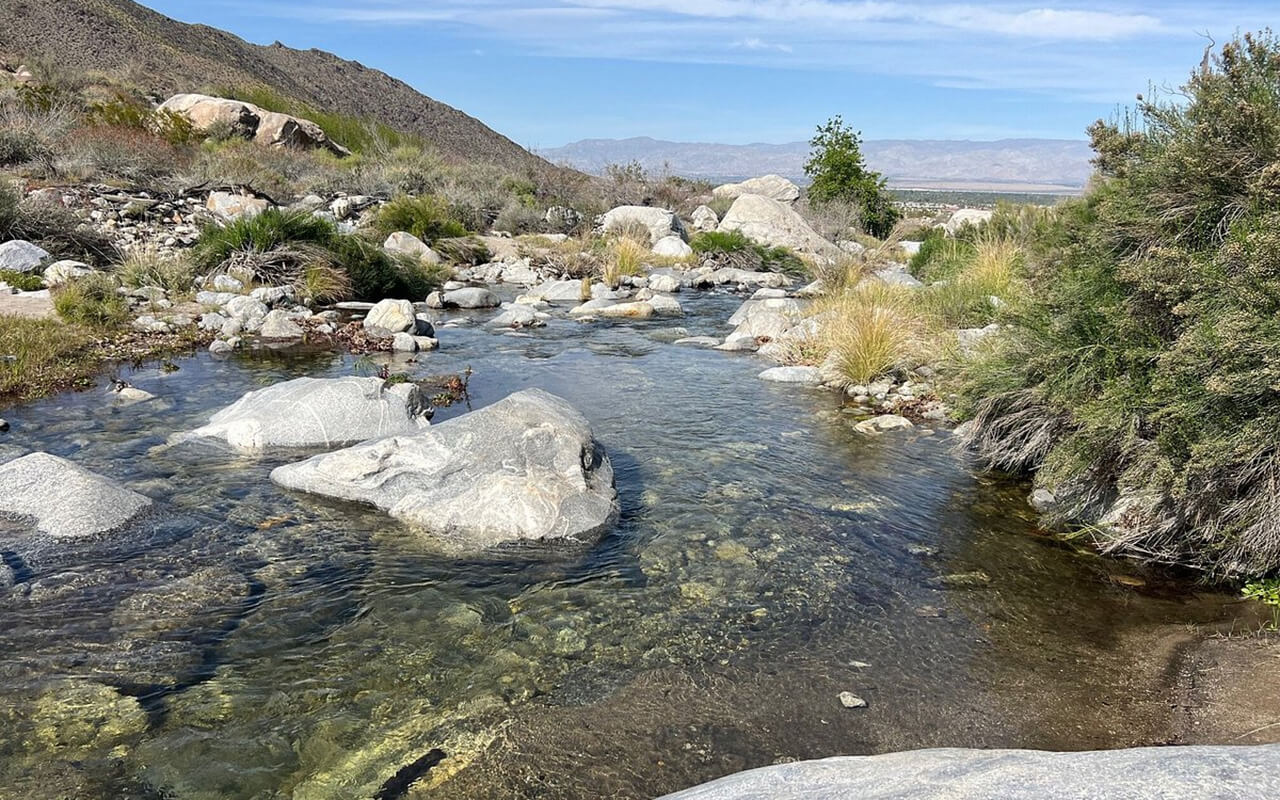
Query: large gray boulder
pixel 526 467
pixel 774 187
pixel 64 499
pixel 316 412
pixel 965 217
pixel 1151 773
pixel 21 256
pixel 766 221
pixel 658 221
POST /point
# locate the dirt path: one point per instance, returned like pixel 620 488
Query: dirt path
pixel 32 305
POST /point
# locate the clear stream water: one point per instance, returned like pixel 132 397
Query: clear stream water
pixel 246 642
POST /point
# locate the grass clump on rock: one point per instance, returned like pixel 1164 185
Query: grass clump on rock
pixel 427 217
pixel 734 249
pixel 1140 382
pixel 278 247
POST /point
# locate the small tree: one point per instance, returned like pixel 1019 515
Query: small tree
pixel 838 173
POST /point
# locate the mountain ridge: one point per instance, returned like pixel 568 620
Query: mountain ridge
pixel 1063 163
pixel 163 55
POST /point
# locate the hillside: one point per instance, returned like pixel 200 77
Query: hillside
pixel 122 38
pixel 942 163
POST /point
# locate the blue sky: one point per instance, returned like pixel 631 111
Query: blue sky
pixel 547 72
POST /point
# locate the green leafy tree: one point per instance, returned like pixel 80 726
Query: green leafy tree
pixel 839 174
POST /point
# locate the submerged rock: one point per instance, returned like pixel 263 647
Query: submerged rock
pixel 526 467
pixel 316 412
pixel 810 376
pixel 883 424
pixel 65 499
pixel 1150 772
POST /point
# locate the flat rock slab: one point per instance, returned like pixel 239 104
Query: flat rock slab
pixel 810 376
pixel 316 412
pixel 1153 773
pixel 66 500
pixel 526 467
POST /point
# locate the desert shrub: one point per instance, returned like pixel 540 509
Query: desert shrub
pixel 150 267
pixel 1144 364
pixel 132 155
pixel 31 136
pixel 22 281
pixel 517 218
pixel 626 259
pixel 91 300
pixel 428 217
pixel 838 173
pixel 52 226
pixel 973 282
pixel 324 282
pixel 721 205
pixel 277 172
pixel 872 328
pixel 834 220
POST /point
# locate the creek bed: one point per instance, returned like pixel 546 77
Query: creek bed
pixel 255 643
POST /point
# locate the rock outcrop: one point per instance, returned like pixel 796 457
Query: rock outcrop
pixel 774 187
pixel 65 499
pixel 316 412
pixel 774 224
pixel 248 121
pixel 526 467
pixel 1152 772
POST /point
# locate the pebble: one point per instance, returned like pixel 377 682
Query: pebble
pixel 851 700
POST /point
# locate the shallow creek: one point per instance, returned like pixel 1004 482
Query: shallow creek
pixel 247 642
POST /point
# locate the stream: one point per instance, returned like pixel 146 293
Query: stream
pixel 249 642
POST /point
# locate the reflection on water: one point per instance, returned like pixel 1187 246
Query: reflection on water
pixel 248 642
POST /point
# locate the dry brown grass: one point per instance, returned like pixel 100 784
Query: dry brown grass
pixel 872 328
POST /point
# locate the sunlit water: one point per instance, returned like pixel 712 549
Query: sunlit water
pixel 246 642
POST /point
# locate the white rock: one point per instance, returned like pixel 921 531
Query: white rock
pixel 806 375
pixel 316 412
pixel 407 244
pixel 883 424
pixel 395 316
pixel 672 247
pixel 229 207
pixel 524 468
pixel 61 272
pixel 965 217
pixel 704 219
pixel 658 221
pixel 279 325
pixel 64 499
pixel 774 187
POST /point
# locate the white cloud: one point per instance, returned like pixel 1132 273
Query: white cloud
pixel 756 43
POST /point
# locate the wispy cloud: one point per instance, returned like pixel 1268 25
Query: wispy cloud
pixel 756 43
pixel 1069 48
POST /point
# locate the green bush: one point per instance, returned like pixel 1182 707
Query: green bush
pixel 91 300
pixel 22 281
pixel 428 217
pixel 743 253
pixel 271 230
pixel 1145 365
pixel 838 172
pixel 376 275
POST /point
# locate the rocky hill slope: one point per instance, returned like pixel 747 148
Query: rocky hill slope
pixel 122 38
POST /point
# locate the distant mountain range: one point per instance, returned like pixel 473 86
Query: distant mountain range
pixel 1008 164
